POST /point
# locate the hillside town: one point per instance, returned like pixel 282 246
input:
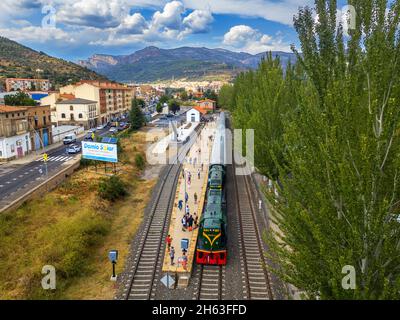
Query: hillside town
pixel 81 106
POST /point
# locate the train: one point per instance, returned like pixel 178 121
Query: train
pixel 211 247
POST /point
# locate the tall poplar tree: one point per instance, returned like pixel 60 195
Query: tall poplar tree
pixel 340 204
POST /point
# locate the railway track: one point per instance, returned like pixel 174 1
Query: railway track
pixel 211 283
pixel 255 278
pixel 143 275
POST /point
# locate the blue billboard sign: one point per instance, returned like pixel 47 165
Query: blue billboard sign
pixel 99 151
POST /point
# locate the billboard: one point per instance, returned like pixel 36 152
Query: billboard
pixel 99 151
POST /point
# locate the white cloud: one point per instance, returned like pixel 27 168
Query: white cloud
pixel 133 24
pixel 167 24
pixel 198 21
pixel 247 39
pixel 272 10
pixel 94 13
pixel 170 18
pixel 36 34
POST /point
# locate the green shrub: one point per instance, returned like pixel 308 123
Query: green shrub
pixel 112 188
pixel 86 162
pixel 139 161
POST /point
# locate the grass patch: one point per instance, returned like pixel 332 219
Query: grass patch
pixel 72 228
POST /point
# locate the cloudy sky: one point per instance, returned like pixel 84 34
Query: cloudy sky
pixel 76 29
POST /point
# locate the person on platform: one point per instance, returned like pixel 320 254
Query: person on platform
pixel 180 205
pixel 184 260
pixel 195 198
pixel 169 241
pixel 187 210
pixel 186 197
pixel 172 255
pixel 198 173
pixel 184 223
pixel 190 223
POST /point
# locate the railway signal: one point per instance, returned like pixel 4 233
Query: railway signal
pixel 113 256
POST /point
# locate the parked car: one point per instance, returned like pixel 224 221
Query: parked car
pixel 101 127
pixel 73 149
pixel 70 138
pixel 113 130
pixel 92 130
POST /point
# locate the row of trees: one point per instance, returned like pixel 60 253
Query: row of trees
pixel 328 129
pixel 173 104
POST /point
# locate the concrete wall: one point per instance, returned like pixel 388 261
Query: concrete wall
pixel 61 131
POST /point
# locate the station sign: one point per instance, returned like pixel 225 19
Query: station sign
pixel 99 151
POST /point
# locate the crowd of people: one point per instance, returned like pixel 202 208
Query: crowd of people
pixel 189 220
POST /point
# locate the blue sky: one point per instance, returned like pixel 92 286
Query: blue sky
pixel 76 29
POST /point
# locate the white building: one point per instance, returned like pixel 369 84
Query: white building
pixel 23 84
pixel 77 112
pixel 14 147
pixel 193 115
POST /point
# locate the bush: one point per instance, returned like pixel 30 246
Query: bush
pixel 112 188
pixel 86 162
pixel 139 161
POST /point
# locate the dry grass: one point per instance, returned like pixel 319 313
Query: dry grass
pixel 72 229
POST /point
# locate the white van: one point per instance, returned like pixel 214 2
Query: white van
pixel 69 138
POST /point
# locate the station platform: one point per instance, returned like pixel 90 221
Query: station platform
pixel 198 186
pixel 184 132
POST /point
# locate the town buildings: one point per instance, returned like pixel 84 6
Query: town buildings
pixel 39 126
pixel 14 134
pixel 113 99
pixel 23 84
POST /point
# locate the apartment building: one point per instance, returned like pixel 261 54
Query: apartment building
pixel 23 84
pixel 39 126
pixel 14 134
pixel 113 99
pixel 77 112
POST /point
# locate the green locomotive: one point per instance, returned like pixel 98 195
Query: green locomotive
pixel 212 238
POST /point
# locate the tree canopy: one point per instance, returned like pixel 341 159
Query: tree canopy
pixel 19 99
pixel 136 115
pixel 328 129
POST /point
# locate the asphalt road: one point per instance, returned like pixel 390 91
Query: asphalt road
pixel 23 177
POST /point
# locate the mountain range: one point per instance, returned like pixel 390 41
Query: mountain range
pixel 18 61
pixel 153 64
